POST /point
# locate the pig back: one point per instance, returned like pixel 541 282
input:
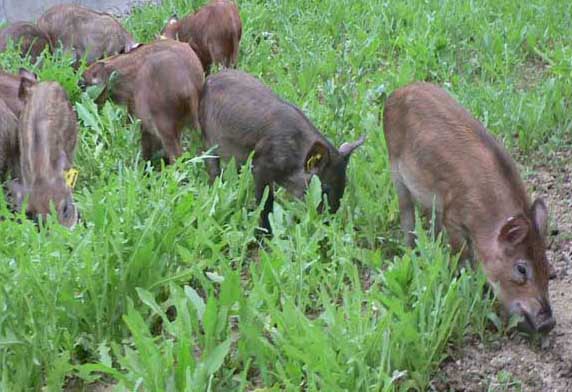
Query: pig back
pixel 48 127
pixel 437 147
pixel 84 31
pixel 238 111
pixel 176 70
pixel 161 69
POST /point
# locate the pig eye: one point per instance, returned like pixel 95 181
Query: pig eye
pixel 520 273
pixel 66 210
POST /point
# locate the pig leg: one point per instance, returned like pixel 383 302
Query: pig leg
pixel 436 221
pixel 234 55
pixel 150 144
pixel 170 136
pixel 213 168
pixel 261 181
pixel 195 124
pixel 213 164
pixel 406 212
pixel 459 243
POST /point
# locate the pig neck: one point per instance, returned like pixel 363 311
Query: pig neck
pixel 38 170
pixel 310 133
pixel 483 221
pixel 121 89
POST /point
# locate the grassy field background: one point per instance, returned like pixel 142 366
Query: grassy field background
pixel 332 302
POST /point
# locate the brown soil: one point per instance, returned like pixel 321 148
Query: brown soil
pixel 515 363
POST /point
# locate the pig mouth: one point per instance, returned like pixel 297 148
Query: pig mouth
pixel 530 324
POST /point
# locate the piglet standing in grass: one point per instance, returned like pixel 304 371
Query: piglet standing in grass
pixel 47 140
pixel 213 32
pixel 443 158
pixel 240 115
pixel 27 36
pixel 160 83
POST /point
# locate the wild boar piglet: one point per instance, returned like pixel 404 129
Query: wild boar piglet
pixel 214 33
pixel 47 139
pixel 443 158
pixel 29 37
pixel 85 32
pixel 240 115
pixel 160 83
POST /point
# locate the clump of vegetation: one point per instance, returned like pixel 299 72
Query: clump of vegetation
pixel 166 288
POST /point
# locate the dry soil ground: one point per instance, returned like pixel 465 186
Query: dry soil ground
pixel 514 363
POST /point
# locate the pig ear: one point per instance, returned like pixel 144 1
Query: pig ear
pixel 132 46
pixel 27 80
pixel 98 67
pixel 317 158
pixel 539 213
pixel 346 149
pixel 514 230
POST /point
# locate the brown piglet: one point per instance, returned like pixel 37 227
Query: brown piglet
pixel 85 32
pixel 47 139
pixel 160 83
pixel 214 33
pixel 30 38
pixel 240 115
pixel 444 159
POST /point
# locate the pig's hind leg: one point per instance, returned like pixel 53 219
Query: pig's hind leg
pixel 406 211
pixel 150 144
pixel 262 179
pixel 170 135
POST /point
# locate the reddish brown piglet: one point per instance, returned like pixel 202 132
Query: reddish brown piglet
pixel 47 139
pixel 214 33
pixel 443 158
pixel 160 83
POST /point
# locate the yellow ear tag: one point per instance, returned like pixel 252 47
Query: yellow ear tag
pixel 313 161
pixel 71 177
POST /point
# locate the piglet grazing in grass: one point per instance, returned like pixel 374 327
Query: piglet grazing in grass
pixel 47 139
pixel 443 158
pixel 214 33
pixel 27 36
pixel 85 32
pixel 160 83
pixel 240 115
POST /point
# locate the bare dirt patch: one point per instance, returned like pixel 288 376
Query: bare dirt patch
pixel 515 363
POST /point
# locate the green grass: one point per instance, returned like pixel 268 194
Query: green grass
pixel 331 302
